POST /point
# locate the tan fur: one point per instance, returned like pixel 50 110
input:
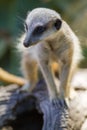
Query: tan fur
pixel 58 52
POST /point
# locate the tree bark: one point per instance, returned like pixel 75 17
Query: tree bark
pixel 20 110
pixel 14 102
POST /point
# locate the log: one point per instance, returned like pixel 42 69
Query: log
pixel 21 110
pixel 16 104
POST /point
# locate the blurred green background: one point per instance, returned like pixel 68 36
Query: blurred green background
pixel 12 14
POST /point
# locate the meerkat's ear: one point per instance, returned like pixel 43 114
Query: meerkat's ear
pixel 58 24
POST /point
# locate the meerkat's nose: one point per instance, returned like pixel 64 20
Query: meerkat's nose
pixel 27 41
pixel 26 44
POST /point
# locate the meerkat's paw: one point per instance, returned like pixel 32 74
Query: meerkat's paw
pixel 27 87
pixel 63 103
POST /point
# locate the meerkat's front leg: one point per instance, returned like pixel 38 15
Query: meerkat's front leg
pixel 29 68
pixel 65 78
pixel 43 62
pixel 47 74
pixel 66 73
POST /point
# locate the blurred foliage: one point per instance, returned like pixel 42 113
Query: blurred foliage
pixel 13 13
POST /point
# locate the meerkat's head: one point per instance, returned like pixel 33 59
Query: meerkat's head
pixel 39 24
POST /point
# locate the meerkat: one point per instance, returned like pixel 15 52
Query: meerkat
pixel 48 39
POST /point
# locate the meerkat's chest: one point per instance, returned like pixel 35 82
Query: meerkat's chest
pixel 50 51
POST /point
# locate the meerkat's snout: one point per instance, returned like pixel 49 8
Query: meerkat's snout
pixel 27 40
pixel 26 43
pixel 34 36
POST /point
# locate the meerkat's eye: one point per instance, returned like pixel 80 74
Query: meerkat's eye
pixel 57 24
pixel 26 27
pixel 39 30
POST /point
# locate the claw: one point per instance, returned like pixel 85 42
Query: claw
pixel 67 102
pixel 64 103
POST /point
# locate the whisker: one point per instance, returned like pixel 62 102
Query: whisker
pixel 20 19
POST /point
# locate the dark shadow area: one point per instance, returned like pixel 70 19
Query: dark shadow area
pixel 30 120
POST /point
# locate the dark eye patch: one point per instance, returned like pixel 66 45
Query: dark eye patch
pixel 39 30
pixel 58 24
pixel 26 27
